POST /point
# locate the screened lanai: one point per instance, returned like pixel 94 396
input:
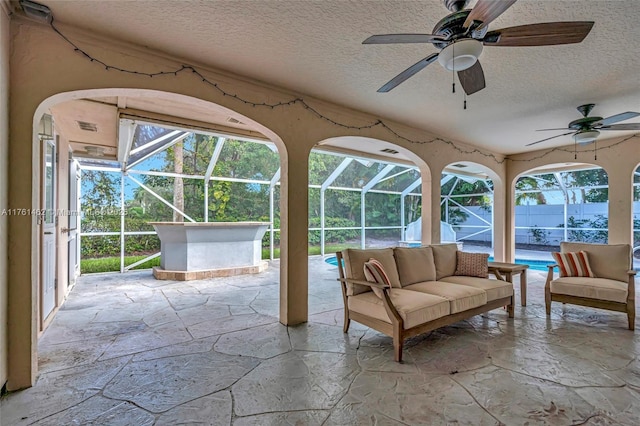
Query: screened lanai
pixel 169 173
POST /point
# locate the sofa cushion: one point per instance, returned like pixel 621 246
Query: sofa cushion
pixel 414 308
pixel 573 264
pixel 354 267
pixel 444 257
pixel 472 264
pixel 415 265
pixel 495 289
pixel 374 273
pixel 460 297
pixel 592 288
pixel 606 260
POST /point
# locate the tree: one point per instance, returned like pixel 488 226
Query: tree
pixel 587 178
pixel 534 187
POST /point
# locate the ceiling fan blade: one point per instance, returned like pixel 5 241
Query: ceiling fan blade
pixel 618 117
pixel 413 69
pixel 552 137
pixel 545 34
pixel 486 11
pixel 544 130
pixel 402 38
pixel 627 126
pixel 472 79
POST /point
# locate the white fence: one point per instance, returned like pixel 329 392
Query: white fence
pixel 542 224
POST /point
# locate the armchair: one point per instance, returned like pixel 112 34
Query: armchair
pixel 612 288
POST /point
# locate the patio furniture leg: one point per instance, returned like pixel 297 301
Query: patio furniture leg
pixel 523 288
pixel 631 315
pixel 347 321
pixel 397 347
pixel 510 309
pixel 547 300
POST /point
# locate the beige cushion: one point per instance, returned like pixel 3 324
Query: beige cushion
pixel 472 264
pixel 354 260
pixel 606 260
pixel 461 297
pixel 444 256
pixel 415 265
pixel 592 288
pixel 414 308
pixel 495 289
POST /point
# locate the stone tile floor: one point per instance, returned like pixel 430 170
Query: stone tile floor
pixel 130 350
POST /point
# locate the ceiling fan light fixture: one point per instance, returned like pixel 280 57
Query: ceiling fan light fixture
pixel 466 54
pixel 586 136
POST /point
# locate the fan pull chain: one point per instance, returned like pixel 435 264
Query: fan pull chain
pixel 465 100
pixel 453 71
pixel 595 149
pixel 575 149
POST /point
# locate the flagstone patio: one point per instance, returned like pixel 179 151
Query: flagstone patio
pixel 130 350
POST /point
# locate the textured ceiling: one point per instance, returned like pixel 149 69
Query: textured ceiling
pixel 314 47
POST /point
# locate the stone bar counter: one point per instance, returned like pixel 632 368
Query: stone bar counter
pixel 199 250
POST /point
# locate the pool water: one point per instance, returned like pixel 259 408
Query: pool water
pixel 536 265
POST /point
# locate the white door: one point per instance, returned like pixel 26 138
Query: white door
pixel 48 221
pixel 74 241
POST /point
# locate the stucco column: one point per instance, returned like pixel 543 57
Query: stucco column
pixel 433 197
pixel 24 186
pixel 620 204
pixel 501 224
pixel 427 202
pixel 294 223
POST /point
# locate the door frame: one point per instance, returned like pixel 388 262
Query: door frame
pixel 48 222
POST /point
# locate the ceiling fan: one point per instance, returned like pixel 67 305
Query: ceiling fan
pixel 461 35
pixel 587 129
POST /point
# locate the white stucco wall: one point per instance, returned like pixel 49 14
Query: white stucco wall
pixel 4 142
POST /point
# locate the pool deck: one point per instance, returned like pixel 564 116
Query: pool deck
pixel 126 349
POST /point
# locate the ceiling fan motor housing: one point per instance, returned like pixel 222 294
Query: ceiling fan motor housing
pixel 584 123
pixel 455 5
pixel 451 27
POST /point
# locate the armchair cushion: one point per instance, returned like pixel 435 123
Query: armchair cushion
pixel 374 273
pixel 573 264
pixel 606 260
pixel 472 264
pixel 415 265
pixel 354 260
pixel 591 288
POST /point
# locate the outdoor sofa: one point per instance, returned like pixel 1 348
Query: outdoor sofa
pixel 420 289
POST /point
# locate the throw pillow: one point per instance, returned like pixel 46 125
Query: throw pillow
pixel 472 264
pixel 573 264
pixel 374 273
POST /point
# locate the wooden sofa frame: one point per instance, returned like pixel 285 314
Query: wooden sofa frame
pixel 629 307
pixel 396 329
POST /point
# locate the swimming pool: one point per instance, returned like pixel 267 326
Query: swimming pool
pixel 536 265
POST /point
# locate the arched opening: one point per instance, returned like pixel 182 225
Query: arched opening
pixel 466 205
pixel 560 202
pixel 364 192
pixel 126 141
